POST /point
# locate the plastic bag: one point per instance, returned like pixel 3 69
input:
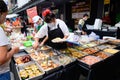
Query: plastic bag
pixel 93 36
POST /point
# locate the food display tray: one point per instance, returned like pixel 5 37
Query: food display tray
pixel 115 42
pixel 44 48
pixel 89 67
pixel 54 69
pixel 66 59
pixel 21 54
pixel 22 66
pixel 89 51
pixel 72 52
pixel 102 55
pixel 111 51
pixel 17 63
pixel 109 45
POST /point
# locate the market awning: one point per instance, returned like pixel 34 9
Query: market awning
pixel 27 6
pixel 11 15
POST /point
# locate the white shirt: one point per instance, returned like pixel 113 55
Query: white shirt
pixel 4 41
pixel 81 22
pixel 44 29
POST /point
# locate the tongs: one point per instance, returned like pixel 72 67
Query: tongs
pixel 36 52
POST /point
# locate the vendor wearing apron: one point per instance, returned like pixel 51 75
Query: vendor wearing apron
pixel 53 29
pixel 52 34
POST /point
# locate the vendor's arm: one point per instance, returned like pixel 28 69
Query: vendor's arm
pixel 35 45
pixel 5 55
pixel 44 40
pixel 40 34
pixel 65 37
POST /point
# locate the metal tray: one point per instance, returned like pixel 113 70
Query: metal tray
pixel 90 50
pixel 63 59
pixel 90 44
pixel 100 41
pixel 49 71
pixel 108 45
pixel 21 67
pixel 115 42
pixel 21 54
pixel 45 48
pixel 102 54
pixel 20 61
pixel 40 56
pixel 51 52
pixel 29 50
pixel 78 48
pixel 87 66
pixel 76 53
pixel 72 53
pixel 110 51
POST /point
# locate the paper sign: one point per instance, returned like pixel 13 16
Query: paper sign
pixel 31 12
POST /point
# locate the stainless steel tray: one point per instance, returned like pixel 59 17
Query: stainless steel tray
pixel 102 54
pixel 24 67
pixel 90 50
pixel 21 59
pixel 63 59
pixel 45 48
pixel 87 65
pixel 51 70
pixel 111 51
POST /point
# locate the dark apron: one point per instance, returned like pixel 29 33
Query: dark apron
pixel 54 34
pixel 84 28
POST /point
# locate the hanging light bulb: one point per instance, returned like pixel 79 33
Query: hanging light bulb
pixel 52 4
pixel 71 1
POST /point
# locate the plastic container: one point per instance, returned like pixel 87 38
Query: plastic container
pixel 27 43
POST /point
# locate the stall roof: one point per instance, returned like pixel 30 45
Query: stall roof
pixel 36 2
pixel 30 4
pixel 11 15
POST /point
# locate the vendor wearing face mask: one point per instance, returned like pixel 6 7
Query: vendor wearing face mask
pixel 53 29
pixel 38 23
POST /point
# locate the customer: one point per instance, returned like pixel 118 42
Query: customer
pixel 38 23
pixel 8 25
pixel 82 24
pixel 24 28
pixel 53 29
pixel 17 25
pixel 5 50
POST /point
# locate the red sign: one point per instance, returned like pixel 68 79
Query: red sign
pixel 31 12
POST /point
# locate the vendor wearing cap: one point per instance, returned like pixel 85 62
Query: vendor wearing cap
pixel 38 22
pixel 53 29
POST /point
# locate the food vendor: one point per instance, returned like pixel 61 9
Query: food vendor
pixel 5 50
pixel 55 28
pixel 82 24
pixel 38 23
